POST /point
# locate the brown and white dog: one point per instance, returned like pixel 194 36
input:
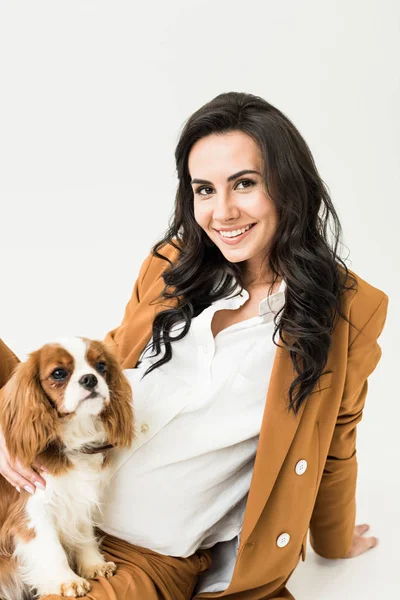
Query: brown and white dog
pixel 66 406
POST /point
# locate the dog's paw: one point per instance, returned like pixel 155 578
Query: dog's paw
pixel 75 587
pixel 106 570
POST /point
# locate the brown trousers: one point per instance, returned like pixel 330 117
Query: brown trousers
pixel 144 574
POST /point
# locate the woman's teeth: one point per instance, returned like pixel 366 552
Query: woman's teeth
pixel 235 232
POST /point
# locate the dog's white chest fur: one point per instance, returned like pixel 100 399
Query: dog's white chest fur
pixel 71 500
pixel 62 517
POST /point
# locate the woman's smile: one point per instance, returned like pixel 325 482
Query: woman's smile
pixel 231 239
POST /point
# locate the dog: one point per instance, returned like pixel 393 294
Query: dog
pixel 66 406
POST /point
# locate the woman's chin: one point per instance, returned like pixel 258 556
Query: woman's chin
pixel 237 256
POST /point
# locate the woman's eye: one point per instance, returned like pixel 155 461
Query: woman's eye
pixel 248 181
pixel 199 190
pixel 100 367
pixel 59 374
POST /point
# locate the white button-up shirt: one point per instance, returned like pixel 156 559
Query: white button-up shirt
pixel 183 484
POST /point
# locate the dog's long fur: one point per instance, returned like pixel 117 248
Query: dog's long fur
pixel 47 540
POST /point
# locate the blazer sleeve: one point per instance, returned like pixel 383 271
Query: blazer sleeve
pixel 333 518
pixel 117 338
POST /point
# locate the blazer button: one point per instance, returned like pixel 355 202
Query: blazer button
pixel 144 428
pixel 283 540
pixel 301 467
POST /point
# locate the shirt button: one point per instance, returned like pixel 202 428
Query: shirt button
pixel 283 540
pixel 301 467
pixel 144 428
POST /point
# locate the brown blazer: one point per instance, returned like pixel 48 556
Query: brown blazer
pixel 323 433
pixel 322 497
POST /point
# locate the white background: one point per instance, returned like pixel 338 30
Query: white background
pixel 93 99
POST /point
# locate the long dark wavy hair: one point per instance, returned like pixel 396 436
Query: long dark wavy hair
pixel 300 251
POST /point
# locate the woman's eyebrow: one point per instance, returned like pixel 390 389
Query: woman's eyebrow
pixel 230 178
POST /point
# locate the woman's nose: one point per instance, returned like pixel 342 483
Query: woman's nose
pixel 224 207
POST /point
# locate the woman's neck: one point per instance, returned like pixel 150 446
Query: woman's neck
pixel 254 280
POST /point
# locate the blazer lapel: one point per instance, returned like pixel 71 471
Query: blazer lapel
pixel 278 429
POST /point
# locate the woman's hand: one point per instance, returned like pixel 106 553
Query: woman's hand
pixel 361 544
pixel 16 474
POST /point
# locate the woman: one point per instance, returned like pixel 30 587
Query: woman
pixel 217 494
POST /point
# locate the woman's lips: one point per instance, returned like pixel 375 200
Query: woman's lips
pixel 237 239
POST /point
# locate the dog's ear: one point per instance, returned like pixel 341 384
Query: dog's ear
pixel 27 419
pixel 118 415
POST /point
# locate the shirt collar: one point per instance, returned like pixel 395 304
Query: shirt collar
pixel 267 307
pixel 274 302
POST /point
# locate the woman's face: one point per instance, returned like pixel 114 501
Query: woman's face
pixel 225 200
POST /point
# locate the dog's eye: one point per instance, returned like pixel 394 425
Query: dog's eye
pixel 59 374
pixel 101 367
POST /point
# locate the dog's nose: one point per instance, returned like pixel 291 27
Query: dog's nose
pixel 88 381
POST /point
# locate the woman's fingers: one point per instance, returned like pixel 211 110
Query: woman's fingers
pixel 39 467
pixel 11 483
pixel 30 475
pixel 360 543
pixel 360 529
pixel 23 477
pixel 16 473
pixel 16 479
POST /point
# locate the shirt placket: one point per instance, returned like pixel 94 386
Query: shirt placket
pixel 204 337
pixel 205 345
